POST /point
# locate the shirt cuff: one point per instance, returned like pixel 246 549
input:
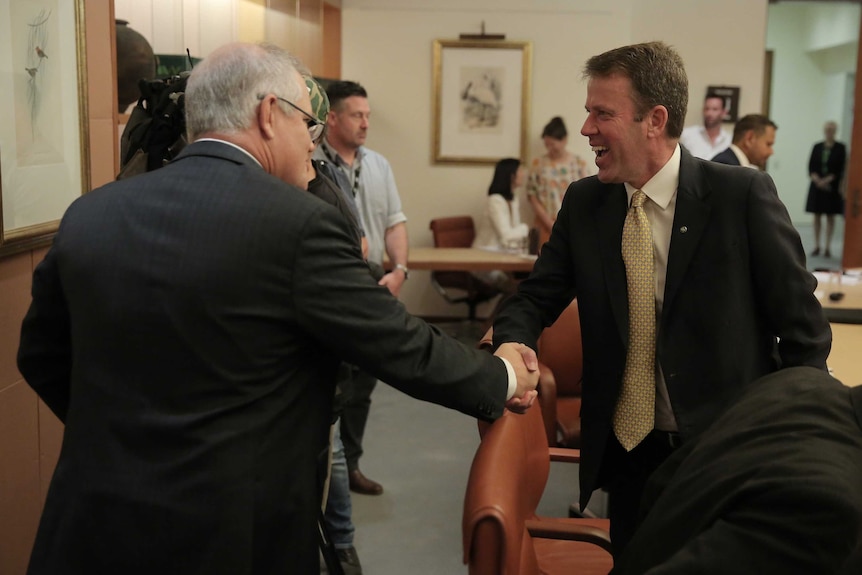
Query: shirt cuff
pixel 513 379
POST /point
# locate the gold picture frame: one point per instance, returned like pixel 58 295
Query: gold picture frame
pixel 481 100
pixel 44 151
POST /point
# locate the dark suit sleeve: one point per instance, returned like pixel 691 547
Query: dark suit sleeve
pixel 45 350
pixel 789 530
pixel 339 304
pixel 772 487
pixel 784 287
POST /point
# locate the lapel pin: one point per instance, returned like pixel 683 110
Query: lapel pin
pixel 683 229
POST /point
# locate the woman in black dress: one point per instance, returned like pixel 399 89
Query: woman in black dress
pixel 826 168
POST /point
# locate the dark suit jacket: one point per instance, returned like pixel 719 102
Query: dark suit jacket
pixel 186 326
pixel 774 486
pixel 736 279
pixel 726 157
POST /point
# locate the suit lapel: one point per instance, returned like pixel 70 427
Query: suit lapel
pixel 611 215
pixel 689 222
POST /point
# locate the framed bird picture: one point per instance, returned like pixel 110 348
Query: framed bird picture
pixel 44 162
pixel 481 100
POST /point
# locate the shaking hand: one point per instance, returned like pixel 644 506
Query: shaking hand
pixel 526 366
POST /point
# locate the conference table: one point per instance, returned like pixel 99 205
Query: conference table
pixel 844 313
pixel 467 260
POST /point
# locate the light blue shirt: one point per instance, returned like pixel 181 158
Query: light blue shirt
pixel 372 184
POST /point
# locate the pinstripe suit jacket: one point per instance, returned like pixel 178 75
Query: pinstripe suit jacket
pixel 186 326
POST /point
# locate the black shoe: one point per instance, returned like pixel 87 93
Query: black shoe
pixel 815 252
pixel 349 561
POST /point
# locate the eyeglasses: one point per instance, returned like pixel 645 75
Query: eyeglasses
pixel 315 126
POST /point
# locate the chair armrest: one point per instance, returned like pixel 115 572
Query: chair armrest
pixel 487 341
pixel 565 455
pixel 569 531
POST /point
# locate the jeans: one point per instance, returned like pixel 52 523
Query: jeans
pixel 338 507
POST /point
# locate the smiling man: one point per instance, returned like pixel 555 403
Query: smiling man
pixel 687 273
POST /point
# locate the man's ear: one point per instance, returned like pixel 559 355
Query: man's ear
pixel 747 140
pixel 266 117
pixel 657 120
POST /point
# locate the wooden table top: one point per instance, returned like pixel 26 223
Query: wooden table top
pixel 843 360
pixel 467 259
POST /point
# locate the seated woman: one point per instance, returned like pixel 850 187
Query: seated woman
pixel 500 227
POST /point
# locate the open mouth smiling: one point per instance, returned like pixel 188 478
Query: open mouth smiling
pixel 599 151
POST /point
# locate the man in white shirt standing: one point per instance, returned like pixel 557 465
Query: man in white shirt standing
pixel 708 140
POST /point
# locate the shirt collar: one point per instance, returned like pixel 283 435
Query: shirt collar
pixel 662 186
pixel 740 155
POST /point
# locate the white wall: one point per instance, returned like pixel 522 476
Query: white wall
pixel 386 46
pixel 815 47
pixel 171 26
pixel 721 43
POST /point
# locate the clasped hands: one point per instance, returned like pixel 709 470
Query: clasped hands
pixel 526 366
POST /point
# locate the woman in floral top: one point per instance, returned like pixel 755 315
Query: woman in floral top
pixel 550 176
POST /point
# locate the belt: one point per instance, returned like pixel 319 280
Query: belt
pixel 671 438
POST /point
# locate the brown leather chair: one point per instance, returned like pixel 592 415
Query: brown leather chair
pixel 458 232
pixel 561 370
pixel 502 535
pixel 561 351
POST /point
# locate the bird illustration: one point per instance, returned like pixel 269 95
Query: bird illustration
pixel 40 52
pixel 32 71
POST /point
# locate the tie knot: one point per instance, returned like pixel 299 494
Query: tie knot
pixel 638 199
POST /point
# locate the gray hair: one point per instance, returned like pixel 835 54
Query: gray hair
pixel 224 90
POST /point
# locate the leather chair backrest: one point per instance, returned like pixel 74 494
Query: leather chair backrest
pixel 453 232
pixel 507 479
pixel 560 349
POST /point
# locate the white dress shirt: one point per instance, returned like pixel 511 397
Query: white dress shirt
pixel 697 141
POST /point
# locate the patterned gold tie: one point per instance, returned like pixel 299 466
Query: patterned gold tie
pixel 634 416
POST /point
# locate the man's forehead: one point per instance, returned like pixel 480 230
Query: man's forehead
pixel 354 103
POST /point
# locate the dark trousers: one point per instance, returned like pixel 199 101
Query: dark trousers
pixel 626 475
pixel 354 416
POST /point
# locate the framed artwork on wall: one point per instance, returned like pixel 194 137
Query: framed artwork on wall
pixel 481 100
pixel 730 95
pixel 44 159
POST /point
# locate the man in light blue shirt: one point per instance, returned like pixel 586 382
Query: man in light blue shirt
pixel 368 177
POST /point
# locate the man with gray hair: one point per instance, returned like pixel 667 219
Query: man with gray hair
pixel 186 326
